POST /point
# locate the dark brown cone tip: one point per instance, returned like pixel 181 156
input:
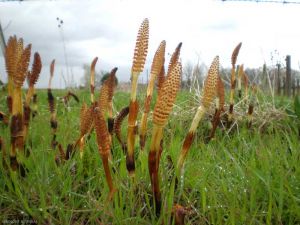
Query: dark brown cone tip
pixel 16 126
pixel 215 122
pixel 233 84
pixel 240 93
pixel 53 124
pixel 51 101
pixel 152 164
pixel 158 205
pixel 34 98
pixel 69 151
pixel 4 118
pixel 9 103
pixel 14 165
pixel 27 112
pixel 142 141
pixel 250 109
pixel 231 108
pixel 117 126
pixel 54 143
pixel 130 165
pixel 110 125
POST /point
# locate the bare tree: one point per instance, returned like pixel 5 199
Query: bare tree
pixel 187 74
pixel 85 80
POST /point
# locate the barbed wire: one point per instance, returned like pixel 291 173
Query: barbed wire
pixel 265 1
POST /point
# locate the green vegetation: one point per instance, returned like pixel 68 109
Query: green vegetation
pixel 240 177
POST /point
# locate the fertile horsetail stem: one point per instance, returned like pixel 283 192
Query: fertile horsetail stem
pixel 51 103
pixel 139 58
pixel 157 64
pixel 233 81
pixel 209 93
pixel 103 145
pixel 220 100
pixel 162 110
pixel 118 124
pixel 92 79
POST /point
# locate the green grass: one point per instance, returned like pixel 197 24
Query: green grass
pixel 244 177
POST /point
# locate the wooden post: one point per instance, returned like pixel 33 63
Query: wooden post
pixel 298 86
pixel 288 76
pixel 278 80
pixel 294 85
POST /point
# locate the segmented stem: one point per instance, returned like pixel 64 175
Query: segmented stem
pixel 157 64
pixel 209 93
pixel 117 126
pixel 162 110
pixel 103 145
pixel 139 58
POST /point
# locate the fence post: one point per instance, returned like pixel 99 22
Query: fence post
pixel 298 86
pixel 278 79
pixel 294 85
pixel 288 76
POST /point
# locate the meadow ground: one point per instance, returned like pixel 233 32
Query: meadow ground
pixel 243 176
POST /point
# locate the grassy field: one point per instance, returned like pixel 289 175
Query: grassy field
pixel 243 176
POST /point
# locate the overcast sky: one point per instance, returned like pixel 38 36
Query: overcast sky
pixel 108 29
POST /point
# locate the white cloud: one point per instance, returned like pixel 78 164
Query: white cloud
pixel 108 29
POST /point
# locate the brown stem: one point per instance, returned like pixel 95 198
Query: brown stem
pixel 117 126
pixel 250 112
pixel 153 164
pixel 9 102
pixel 34 105
pixel 185 148
pixel 26 115
pixel 230 116
pixel 133 111
pixel 216 121
pixel 108 176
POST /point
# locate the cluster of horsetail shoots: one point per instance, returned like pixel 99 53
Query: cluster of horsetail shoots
pixel 157 66
pixel 233 81
pixel 139 58
pixel 162 110
pixel 51 102
pixel 209 94
pixel 17 62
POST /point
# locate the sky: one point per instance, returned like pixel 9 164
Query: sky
pixel 108 30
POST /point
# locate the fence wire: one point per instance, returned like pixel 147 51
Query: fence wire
pixel 265 1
